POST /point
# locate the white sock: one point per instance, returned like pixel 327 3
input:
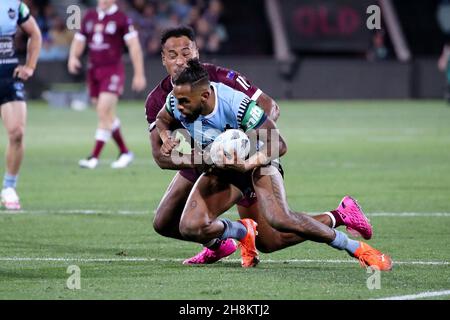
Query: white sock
pixel 102 135
pixel 115 125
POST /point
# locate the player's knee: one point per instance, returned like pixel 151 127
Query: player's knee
pixel 160 227
pixel 191 230
pixel 162 223
pixel 16 135
pixel 266 247
pixel 105 123
pixel 194 230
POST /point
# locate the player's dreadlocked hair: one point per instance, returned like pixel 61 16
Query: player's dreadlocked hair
pixel 177 32
pixel 193 74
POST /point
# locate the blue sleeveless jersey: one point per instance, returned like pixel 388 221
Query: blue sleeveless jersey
pixel 233 110
pixel 12 14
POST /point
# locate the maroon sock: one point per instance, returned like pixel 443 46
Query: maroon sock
pixel 97 148
pixel 339 221
pixel 117 136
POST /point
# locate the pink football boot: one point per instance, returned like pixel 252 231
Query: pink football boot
pixel 354 219
pixel 207 256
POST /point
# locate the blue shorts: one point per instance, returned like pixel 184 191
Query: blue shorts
pixel 11 90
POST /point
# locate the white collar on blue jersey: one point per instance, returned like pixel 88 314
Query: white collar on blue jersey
pixel 214 88
pixel 102 13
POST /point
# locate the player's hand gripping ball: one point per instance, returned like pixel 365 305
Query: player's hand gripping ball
pixel 229 142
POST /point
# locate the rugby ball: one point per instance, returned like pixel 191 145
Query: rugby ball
pixel 230 141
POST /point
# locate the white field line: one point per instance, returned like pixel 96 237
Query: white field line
pixel 145 212
pixel 409 214
pixel 426 294
pixel 270 261
pixel 76 212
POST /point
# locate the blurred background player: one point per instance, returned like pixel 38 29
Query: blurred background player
pixel 178 46
pixel 107 30
pixel 443 17
pixel 13 108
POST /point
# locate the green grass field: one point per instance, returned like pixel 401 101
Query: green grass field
pixel 393 156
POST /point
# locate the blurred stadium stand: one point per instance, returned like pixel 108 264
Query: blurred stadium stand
pixel 292 49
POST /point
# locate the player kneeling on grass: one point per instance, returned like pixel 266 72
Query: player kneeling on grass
pixel 107 30
pixel 202 107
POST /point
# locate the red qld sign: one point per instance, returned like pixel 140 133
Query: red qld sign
pixel 327 25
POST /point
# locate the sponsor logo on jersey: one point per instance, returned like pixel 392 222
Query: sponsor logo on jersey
pixel 111 27
pixel 97 38
pixel 98 28
pixel 249 114
pixel 9 61
pixel 12 13
pixel 255 115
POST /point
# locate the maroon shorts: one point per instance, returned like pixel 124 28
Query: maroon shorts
pixel 110 78
pixel 243 181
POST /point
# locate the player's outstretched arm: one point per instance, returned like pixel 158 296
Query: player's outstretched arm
pixel 31 28
pixel 137 59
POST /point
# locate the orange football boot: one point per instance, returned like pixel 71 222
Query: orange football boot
pixel 369 256
pixel 249 255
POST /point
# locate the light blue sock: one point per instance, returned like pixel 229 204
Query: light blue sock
pixel 9 181
pixel 342 242
pixel 233 229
